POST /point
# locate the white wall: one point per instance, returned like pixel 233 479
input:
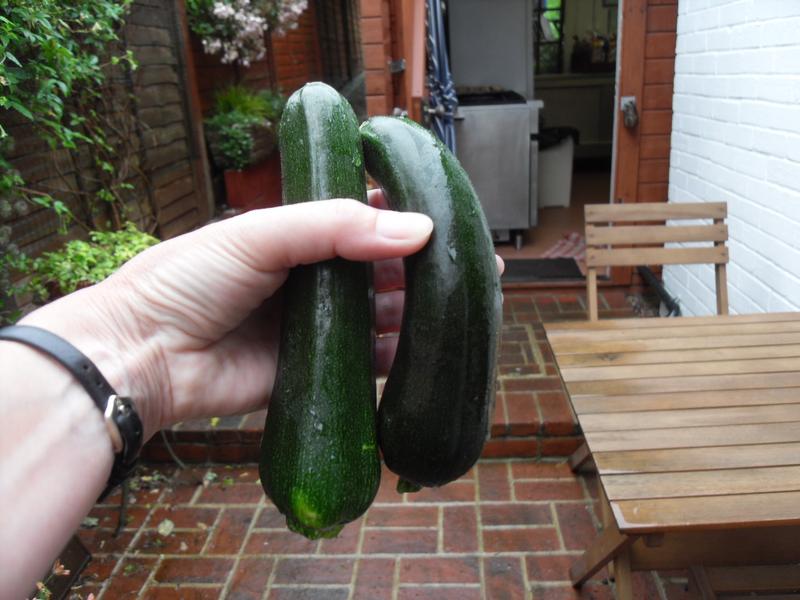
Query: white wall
pixel 736 138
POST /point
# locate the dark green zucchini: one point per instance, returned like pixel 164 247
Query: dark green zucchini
pixel 436 407
pixel 319 454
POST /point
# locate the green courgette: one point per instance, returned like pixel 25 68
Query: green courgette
pixel 319 455
pixel 436 407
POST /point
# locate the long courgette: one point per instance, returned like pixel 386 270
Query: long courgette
pixel 435 411
pixel 319 455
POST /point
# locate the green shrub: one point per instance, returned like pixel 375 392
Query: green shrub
pixel 239 114
pixel 80 262
pixel 263 104
pixel 233 138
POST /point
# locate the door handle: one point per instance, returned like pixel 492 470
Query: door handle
pixel 439 111
pixel 630 115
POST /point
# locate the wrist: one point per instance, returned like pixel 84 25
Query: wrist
pixel 99 322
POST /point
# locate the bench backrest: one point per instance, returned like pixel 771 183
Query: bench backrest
pixel 621 235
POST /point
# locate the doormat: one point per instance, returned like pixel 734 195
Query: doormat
pixel 572 245
pixel 540 269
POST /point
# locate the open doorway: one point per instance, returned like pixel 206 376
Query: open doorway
pixel 535 124
pixel 574 45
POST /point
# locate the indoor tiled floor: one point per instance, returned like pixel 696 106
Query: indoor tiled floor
pixel 590 185
pixel 507 530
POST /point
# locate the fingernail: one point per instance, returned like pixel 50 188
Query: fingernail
pixel 403 225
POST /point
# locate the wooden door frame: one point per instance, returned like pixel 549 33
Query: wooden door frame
pixel 196 137
pixel 631 34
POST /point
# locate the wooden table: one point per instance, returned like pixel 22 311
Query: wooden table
pixel 694 427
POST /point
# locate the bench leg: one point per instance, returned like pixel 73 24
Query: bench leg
pixel 605 518
pixel 699 585
pixel 608 546
pixel 622 575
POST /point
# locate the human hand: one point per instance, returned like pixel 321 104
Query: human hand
pixel 190 328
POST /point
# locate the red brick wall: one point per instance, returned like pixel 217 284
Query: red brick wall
pixel 212 75
pixel 297 54
pixel 376 45
pixel 656 101
pixel 294 60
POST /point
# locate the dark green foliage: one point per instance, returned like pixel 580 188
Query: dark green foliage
pixel 54 58
pixel 240 115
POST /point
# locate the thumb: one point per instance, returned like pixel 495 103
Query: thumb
pixel 279 238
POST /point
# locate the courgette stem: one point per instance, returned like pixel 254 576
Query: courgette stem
pixel 404 486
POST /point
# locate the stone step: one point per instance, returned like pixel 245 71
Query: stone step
pixel 532 417
pixel 527 423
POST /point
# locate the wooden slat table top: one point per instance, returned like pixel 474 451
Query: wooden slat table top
pixel 693 422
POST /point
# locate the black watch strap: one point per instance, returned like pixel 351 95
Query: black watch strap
pixel 121 411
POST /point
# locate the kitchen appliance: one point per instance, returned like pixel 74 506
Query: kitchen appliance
pixel 494 147
pixel 491 58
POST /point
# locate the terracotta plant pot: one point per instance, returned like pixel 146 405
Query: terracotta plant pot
pixel 257 186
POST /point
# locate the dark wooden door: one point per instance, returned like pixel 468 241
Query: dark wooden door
pixel 647 67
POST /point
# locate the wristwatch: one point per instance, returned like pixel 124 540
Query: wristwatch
pixel 122 421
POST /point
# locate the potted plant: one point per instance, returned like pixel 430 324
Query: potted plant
pixel 239 139
pixel 241 136
pixel 82 263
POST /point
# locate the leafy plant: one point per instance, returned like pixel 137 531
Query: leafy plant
pixel 240 115
pixel 264 104
pixel 276 102
pixel 234 140
pixel 242 99
pixel 50 50
pixel 55 58
pixel 82 262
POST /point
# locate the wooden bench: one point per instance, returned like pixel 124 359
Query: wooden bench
pixel 694 427
pixel 693 423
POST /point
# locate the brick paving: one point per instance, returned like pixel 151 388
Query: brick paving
pixel 507 530
pixel 532 416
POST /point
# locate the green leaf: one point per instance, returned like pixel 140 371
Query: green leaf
pixel 20 108
pixel 13 58
pixel 165 528
pixel 90 522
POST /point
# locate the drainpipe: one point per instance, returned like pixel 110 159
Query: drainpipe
pixel 671 303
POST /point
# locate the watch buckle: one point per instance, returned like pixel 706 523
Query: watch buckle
pixel 113 405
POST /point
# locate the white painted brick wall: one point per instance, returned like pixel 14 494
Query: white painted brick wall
pixel 736 138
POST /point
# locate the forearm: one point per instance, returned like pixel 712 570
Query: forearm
pixel 55 448
pixel 56 457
